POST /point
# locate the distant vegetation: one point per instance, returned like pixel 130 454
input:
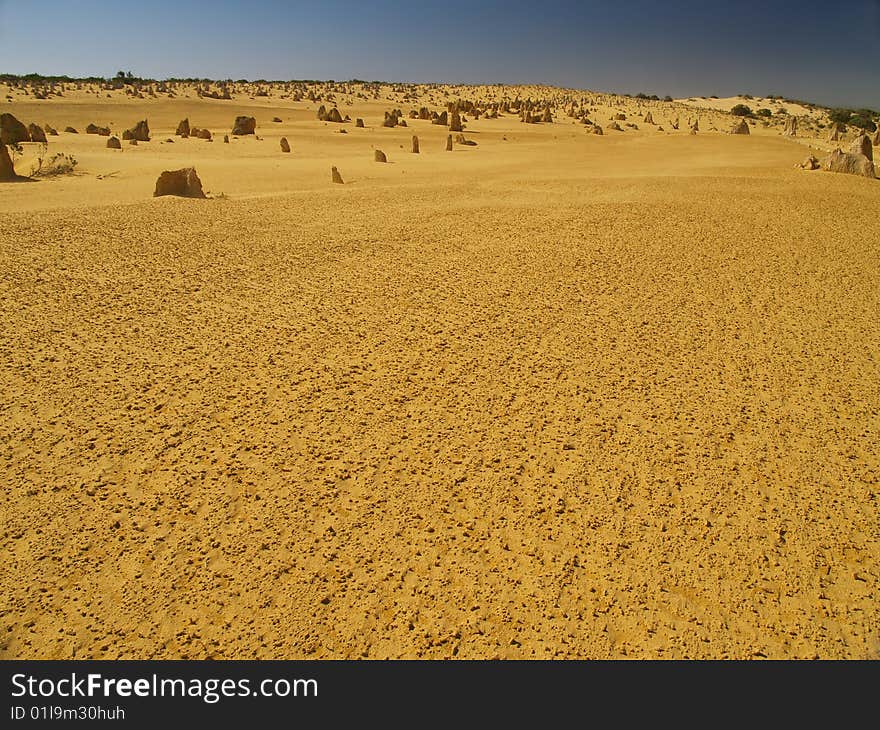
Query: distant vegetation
pixel 867 119
pixel 861 118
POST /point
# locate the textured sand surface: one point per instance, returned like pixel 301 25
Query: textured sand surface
pixel 556 395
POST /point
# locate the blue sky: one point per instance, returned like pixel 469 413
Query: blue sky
pixel 818 51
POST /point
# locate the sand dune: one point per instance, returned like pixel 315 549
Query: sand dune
pixel 554 395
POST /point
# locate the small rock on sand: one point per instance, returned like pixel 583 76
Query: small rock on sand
pixel 183 183
pixel 36 133
pixel 244 126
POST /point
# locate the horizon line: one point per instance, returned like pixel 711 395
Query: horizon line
pixel 745 95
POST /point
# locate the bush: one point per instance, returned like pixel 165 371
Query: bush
pixel 667 98
pixel 741 110
pixel 841 116
pixel 862 123
pixel 764 113
pixel 55 166
pixel 861 118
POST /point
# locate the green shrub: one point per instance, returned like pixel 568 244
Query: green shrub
pixel 741 110
pixel 861 118
pixel 862 123
pixel 764 113
pixel 55 166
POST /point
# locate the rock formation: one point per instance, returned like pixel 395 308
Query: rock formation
pixel 183 129
pixel 790 127
pixel 12 131
pixel 378 156
pixel 849 163
pixel 810 163
pixel 244 126
pixel 36 134
pixel 7 170
pixel 862 146
pixel 455 121
pixel 740 127
pixel 415 145
pixel 95 129
pixel 140 132
pixel 285 145
pixel 449 143
pixel 183 183
pixel 335 176
pixel 113 143
pixel 836 131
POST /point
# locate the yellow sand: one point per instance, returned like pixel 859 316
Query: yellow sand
pixel 555 395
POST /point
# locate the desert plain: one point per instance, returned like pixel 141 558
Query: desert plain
pixel 553 395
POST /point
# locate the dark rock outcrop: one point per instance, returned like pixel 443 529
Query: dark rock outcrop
pixel 140 132
pixel 12 131
pixel 7 170
pixel 36 133
pixel 244 126
pixel 183 183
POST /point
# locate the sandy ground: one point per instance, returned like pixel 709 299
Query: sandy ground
pixel 555 395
